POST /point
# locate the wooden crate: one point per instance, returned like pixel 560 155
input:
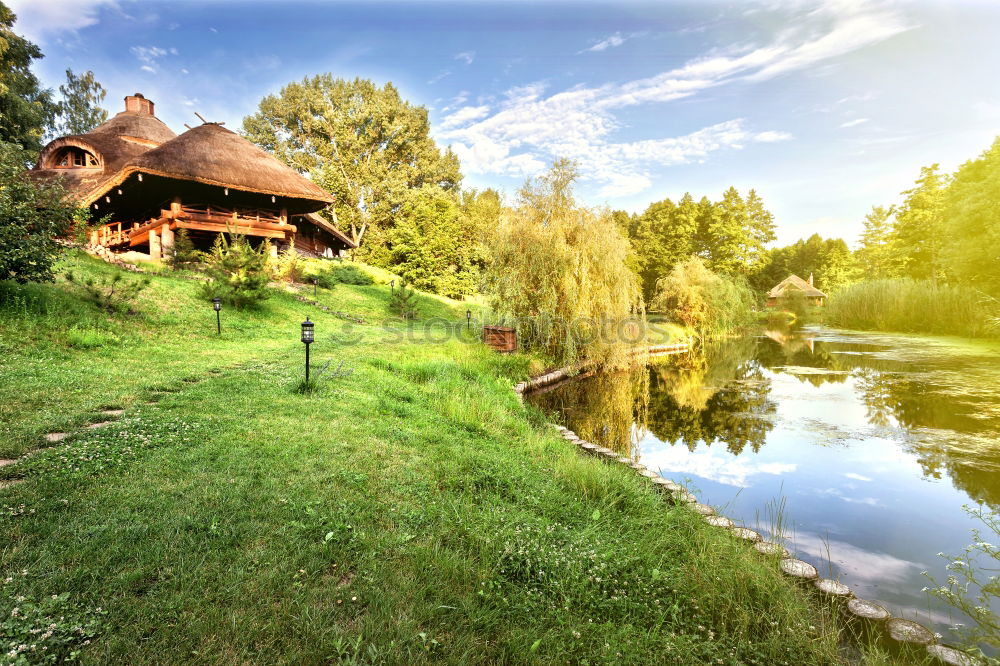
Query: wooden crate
pixel 500 338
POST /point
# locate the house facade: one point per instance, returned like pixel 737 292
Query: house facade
pixel 146 183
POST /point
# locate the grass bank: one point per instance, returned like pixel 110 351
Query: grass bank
pixel 409 511
pixel 914 306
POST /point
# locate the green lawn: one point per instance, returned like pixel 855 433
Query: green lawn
pixel 409 511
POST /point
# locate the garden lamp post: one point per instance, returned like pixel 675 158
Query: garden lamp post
pixel 392 285
pixel 217 304
pixel 315 284
pixel 308 335
pixel 468 319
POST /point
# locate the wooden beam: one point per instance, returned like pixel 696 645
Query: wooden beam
pixel 249 230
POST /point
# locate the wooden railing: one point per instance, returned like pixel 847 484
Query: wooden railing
pixel 120 233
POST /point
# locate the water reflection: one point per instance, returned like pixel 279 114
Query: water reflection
pixel 876 441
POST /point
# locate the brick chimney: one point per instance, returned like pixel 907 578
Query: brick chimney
pixel 139 104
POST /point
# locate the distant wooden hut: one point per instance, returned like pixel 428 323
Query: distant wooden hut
pixel 209 180
pixel 793 285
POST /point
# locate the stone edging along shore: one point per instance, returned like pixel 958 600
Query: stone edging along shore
pixel 866 613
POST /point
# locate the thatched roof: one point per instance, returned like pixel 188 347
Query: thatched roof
pixel 213 155
pixel 123 137
pixel 794 283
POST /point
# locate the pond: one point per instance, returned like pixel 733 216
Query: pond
pixel 861 449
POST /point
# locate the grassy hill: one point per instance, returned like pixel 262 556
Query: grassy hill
pixel 409 511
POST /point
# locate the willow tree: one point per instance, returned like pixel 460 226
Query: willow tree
pixel 557 272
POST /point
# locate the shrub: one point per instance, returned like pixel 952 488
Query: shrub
pixel 348 274
pixel 403 302
pixel 113 293
pixel 914 306
pixel 32 215
pixel 289 266
pixel 710 304
pixel 238 273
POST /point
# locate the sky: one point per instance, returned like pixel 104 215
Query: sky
pixel 826 108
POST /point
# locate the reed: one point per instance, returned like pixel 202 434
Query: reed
pixel 914 306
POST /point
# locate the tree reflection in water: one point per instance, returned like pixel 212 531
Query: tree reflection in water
pixel 941 407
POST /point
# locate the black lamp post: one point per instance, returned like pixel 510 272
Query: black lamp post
pixel 217 304
pixel 468 319
pixel 392 285
pixel 315 283
pixel 308 335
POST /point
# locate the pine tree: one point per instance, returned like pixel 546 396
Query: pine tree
pixel 238 273
pixel 403 301
pixel 184 254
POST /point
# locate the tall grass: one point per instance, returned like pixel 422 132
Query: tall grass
pixel 914 306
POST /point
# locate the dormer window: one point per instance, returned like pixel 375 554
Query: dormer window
pixel 75 158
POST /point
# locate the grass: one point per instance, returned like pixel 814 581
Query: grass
pixel 914 306
pixel 405 509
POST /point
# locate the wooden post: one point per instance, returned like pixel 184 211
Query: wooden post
pixel 175 208
pixel 93 237
pixel 283 216
pixel 154 245
pixel 167 240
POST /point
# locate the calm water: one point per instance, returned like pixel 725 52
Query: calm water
pixel 874 443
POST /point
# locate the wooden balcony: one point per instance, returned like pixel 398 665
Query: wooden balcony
pixel 259 223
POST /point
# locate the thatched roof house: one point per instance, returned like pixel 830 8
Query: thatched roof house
pixel 793 285
pixel 208 180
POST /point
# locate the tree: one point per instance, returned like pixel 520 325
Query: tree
pixel 698 298
pixel 427 248
pixel 733 233
pixel 480 215
pixel 26 109
pixel 663 236
pixel 558 270
pixel 403 301
pixel 876 256
pixel 78 109
pixel 362 143
pixel 33 214
pixel 828 261
pixel 183 254
pixel 238 273
pixel 972 249
pixel 919 231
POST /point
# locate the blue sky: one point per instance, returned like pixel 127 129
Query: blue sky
pixel 824 107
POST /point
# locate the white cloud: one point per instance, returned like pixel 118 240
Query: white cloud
pixel 771 136
pixel 854 123
pixel 580 122
pixel 36 18
pixel 434 79
pixel 464 115
pixel 623 185
pixel 607 43
pixel 719 466
pixel 466 56
pixel 149 56
pixel 856 476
